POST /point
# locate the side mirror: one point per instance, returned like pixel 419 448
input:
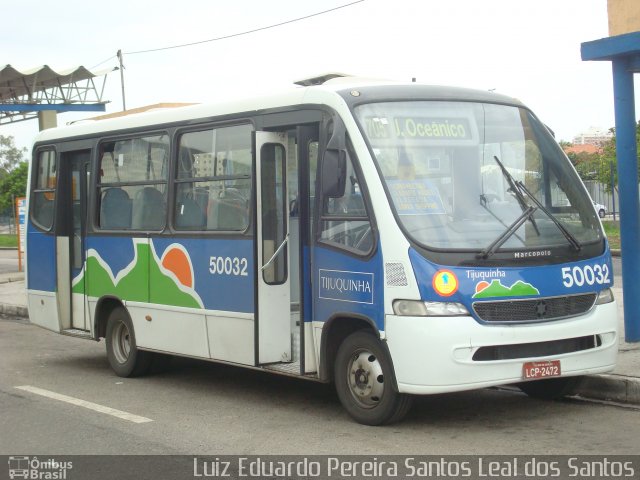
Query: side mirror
pixel 334 162
pixel 334 173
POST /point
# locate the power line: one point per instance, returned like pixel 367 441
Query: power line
pixel 104 61
pixel 246 32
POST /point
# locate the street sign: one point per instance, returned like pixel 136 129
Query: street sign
pixel 21 216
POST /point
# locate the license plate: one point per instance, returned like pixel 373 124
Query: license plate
pixel 532 370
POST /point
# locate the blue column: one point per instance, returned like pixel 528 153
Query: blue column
pixel 629 204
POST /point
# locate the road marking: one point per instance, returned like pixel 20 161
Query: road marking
pixel 83 403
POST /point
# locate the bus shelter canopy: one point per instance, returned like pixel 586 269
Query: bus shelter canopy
pixel 42 88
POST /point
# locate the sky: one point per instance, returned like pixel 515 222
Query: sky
pixel 528 49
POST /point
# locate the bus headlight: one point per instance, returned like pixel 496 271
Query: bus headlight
pixel 417 308
pixel 605 296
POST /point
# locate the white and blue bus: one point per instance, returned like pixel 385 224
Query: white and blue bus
pixel 394 239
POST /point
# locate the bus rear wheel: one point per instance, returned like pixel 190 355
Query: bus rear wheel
pixel 123 355
pixel 550 388
pixel 364 381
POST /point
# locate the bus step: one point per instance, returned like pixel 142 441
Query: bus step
pixel 292 368
pixel 75 332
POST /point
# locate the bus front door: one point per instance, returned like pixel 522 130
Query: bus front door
pixel 272 238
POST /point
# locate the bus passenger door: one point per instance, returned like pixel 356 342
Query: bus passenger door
pixel 78 183
pixel 273 329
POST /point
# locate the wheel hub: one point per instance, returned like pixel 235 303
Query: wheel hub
pixel 366 380
pixel 122 343
pixel 362 378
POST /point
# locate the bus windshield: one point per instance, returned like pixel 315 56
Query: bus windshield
pixel 461 174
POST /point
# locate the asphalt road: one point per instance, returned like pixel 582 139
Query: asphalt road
pixel 203 408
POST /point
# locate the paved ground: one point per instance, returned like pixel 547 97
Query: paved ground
pixel 623 385
pixel 198 408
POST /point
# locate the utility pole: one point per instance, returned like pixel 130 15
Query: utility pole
pixel 119 54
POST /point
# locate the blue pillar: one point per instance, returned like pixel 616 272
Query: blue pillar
pixel 629 201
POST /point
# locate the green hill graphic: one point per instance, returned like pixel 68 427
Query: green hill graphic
pixel 145 282
pixel 518 289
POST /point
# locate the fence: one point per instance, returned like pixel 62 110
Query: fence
pixel 7 222
pixel 600 193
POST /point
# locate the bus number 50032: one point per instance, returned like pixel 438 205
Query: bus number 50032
pixel 578 276
pixel 228 266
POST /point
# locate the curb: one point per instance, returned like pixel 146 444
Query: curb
pixel 17 277
pixel 610 388
pixel 14 310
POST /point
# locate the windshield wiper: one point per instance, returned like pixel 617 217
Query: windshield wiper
pixel 511 229
pixel 517 187
pixel 513 186
pixel 575 243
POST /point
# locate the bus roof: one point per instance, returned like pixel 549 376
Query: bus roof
pixel 333 91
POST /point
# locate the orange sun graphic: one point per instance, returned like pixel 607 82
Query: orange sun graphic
pixel 177 262
pixel 481 286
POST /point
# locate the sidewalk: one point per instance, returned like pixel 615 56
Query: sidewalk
pixel 622 385
pixel 13 297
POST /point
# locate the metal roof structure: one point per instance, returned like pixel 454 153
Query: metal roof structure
pixel 25 93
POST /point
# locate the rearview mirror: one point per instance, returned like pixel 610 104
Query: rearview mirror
pixel 334 173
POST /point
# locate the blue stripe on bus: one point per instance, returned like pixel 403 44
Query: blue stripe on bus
pixel 41 260
pixel 467 285
pixel 220 271
pixel 347 284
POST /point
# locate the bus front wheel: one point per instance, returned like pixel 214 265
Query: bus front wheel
pixel 123 355
pixel 363 378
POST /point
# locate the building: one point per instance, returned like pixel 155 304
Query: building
pixel 578 148
pixel 593 136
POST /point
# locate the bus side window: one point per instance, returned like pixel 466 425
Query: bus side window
pixel 148 209
pixel 213 179
pixel 115 209
pixel 344 219
pixel 189 214
pixel 44 192
pixel 133 183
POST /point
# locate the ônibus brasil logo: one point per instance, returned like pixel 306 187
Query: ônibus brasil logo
pixel 35 468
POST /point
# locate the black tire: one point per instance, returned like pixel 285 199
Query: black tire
pixel 124 357
pixel 601 213
pixel 364 381
pixel 551 388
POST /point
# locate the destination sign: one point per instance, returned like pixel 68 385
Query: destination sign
pixel 426 128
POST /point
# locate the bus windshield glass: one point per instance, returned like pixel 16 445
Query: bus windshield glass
pixel 460 175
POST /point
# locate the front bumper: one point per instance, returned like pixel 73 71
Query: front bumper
pixel 435 354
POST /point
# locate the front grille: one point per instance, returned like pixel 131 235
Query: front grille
pixel 534 310
pixel 538 349
pixel 395 275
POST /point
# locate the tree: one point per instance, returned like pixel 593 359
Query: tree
pixel 13 174
pixel 589 165
pixel 13 185
pixel 10 155
pixel 609 156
